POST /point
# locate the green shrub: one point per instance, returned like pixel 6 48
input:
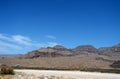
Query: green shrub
pixel 4 70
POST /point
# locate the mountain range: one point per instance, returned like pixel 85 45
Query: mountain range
pixel 61 51
pixel 83 56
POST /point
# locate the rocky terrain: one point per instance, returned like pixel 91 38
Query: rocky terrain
pixel 84 56
pixel 56 51
pixel 60 51
pixel 113 51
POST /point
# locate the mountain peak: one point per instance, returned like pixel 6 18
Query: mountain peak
pixel 85 48
pixel 59 47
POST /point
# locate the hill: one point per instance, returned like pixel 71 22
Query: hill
pixel 84 56
pixel 61 51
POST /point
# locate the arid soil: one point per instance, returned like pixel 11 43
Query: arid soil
pixel 50 74
pixel 81 61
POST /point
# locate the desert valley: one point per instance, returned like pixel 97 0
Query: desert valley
pixel 81 58
pixel 59 57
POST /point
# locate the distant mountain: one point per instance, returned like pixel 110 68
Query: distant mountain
pixel 8 55
pixel 113 51
pixel 85 49
pixel 84 56
pixel 61 51
pixel 2 56
pixel 55 51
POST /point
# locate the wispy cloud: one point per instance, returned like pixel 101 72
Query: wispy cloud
pixel 22 39
pixel 5 37
pixel 20 43
pixel 50 36
pixel 16 38
pixel 9 45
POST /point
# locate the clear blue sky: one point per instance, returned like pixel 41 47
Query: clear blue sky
pixel 30 24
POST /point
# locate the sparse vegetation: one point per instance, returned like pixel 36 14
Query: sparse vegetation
pixel 5 70
pixel 73 69
pixel 100 70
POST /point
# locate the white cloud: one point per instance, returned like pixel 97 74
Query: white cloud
pixel 22 39
pixel 16 38
pixel 8 48
pixel 9 45
pixel 14 43
pixel 5 37
pixel 50 36
pixel 19 44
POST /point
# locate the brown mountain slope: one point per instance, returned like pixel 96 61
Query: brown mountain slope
pixel 113 51
pixel 60 51
pixel 56 51
pixel 85 49
pixel 58 56
pixel 75 62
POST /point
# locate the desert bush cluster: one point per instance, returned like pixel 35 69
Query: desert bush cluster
pixel 73 69
pixel 6 70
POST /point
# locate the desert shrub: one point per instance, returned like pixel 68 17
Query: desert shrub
pixel 5 70
pixel 100 70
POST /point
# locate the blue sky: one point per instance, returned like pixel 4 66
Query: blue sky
pixel 26 25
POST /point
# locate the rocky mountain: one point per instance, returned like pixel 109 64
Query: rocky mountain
pixel 60 51
pixel 84 56
pixel 85 49
pixel 115 64
pixel 113 51
pixel 8 55
pixel 55 51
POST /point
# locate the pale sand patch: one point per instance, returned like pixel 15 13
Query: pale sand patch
pixel 36 74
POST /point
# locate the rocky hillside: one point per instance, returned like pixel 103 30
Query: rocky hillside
pixel 115 64
pixel 55 51
pixel 85 49
pixel 60 51
pixel 84 56
pixel 113 51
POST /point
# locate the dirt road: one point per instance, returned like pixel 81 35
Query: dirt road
pixel 53 74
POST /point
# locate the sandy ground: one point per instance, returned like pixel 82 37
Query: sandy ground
pixel 53 74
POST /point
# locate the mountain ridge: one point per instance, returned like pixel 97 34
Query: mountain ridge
pixel 58 51
pixel 83 56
